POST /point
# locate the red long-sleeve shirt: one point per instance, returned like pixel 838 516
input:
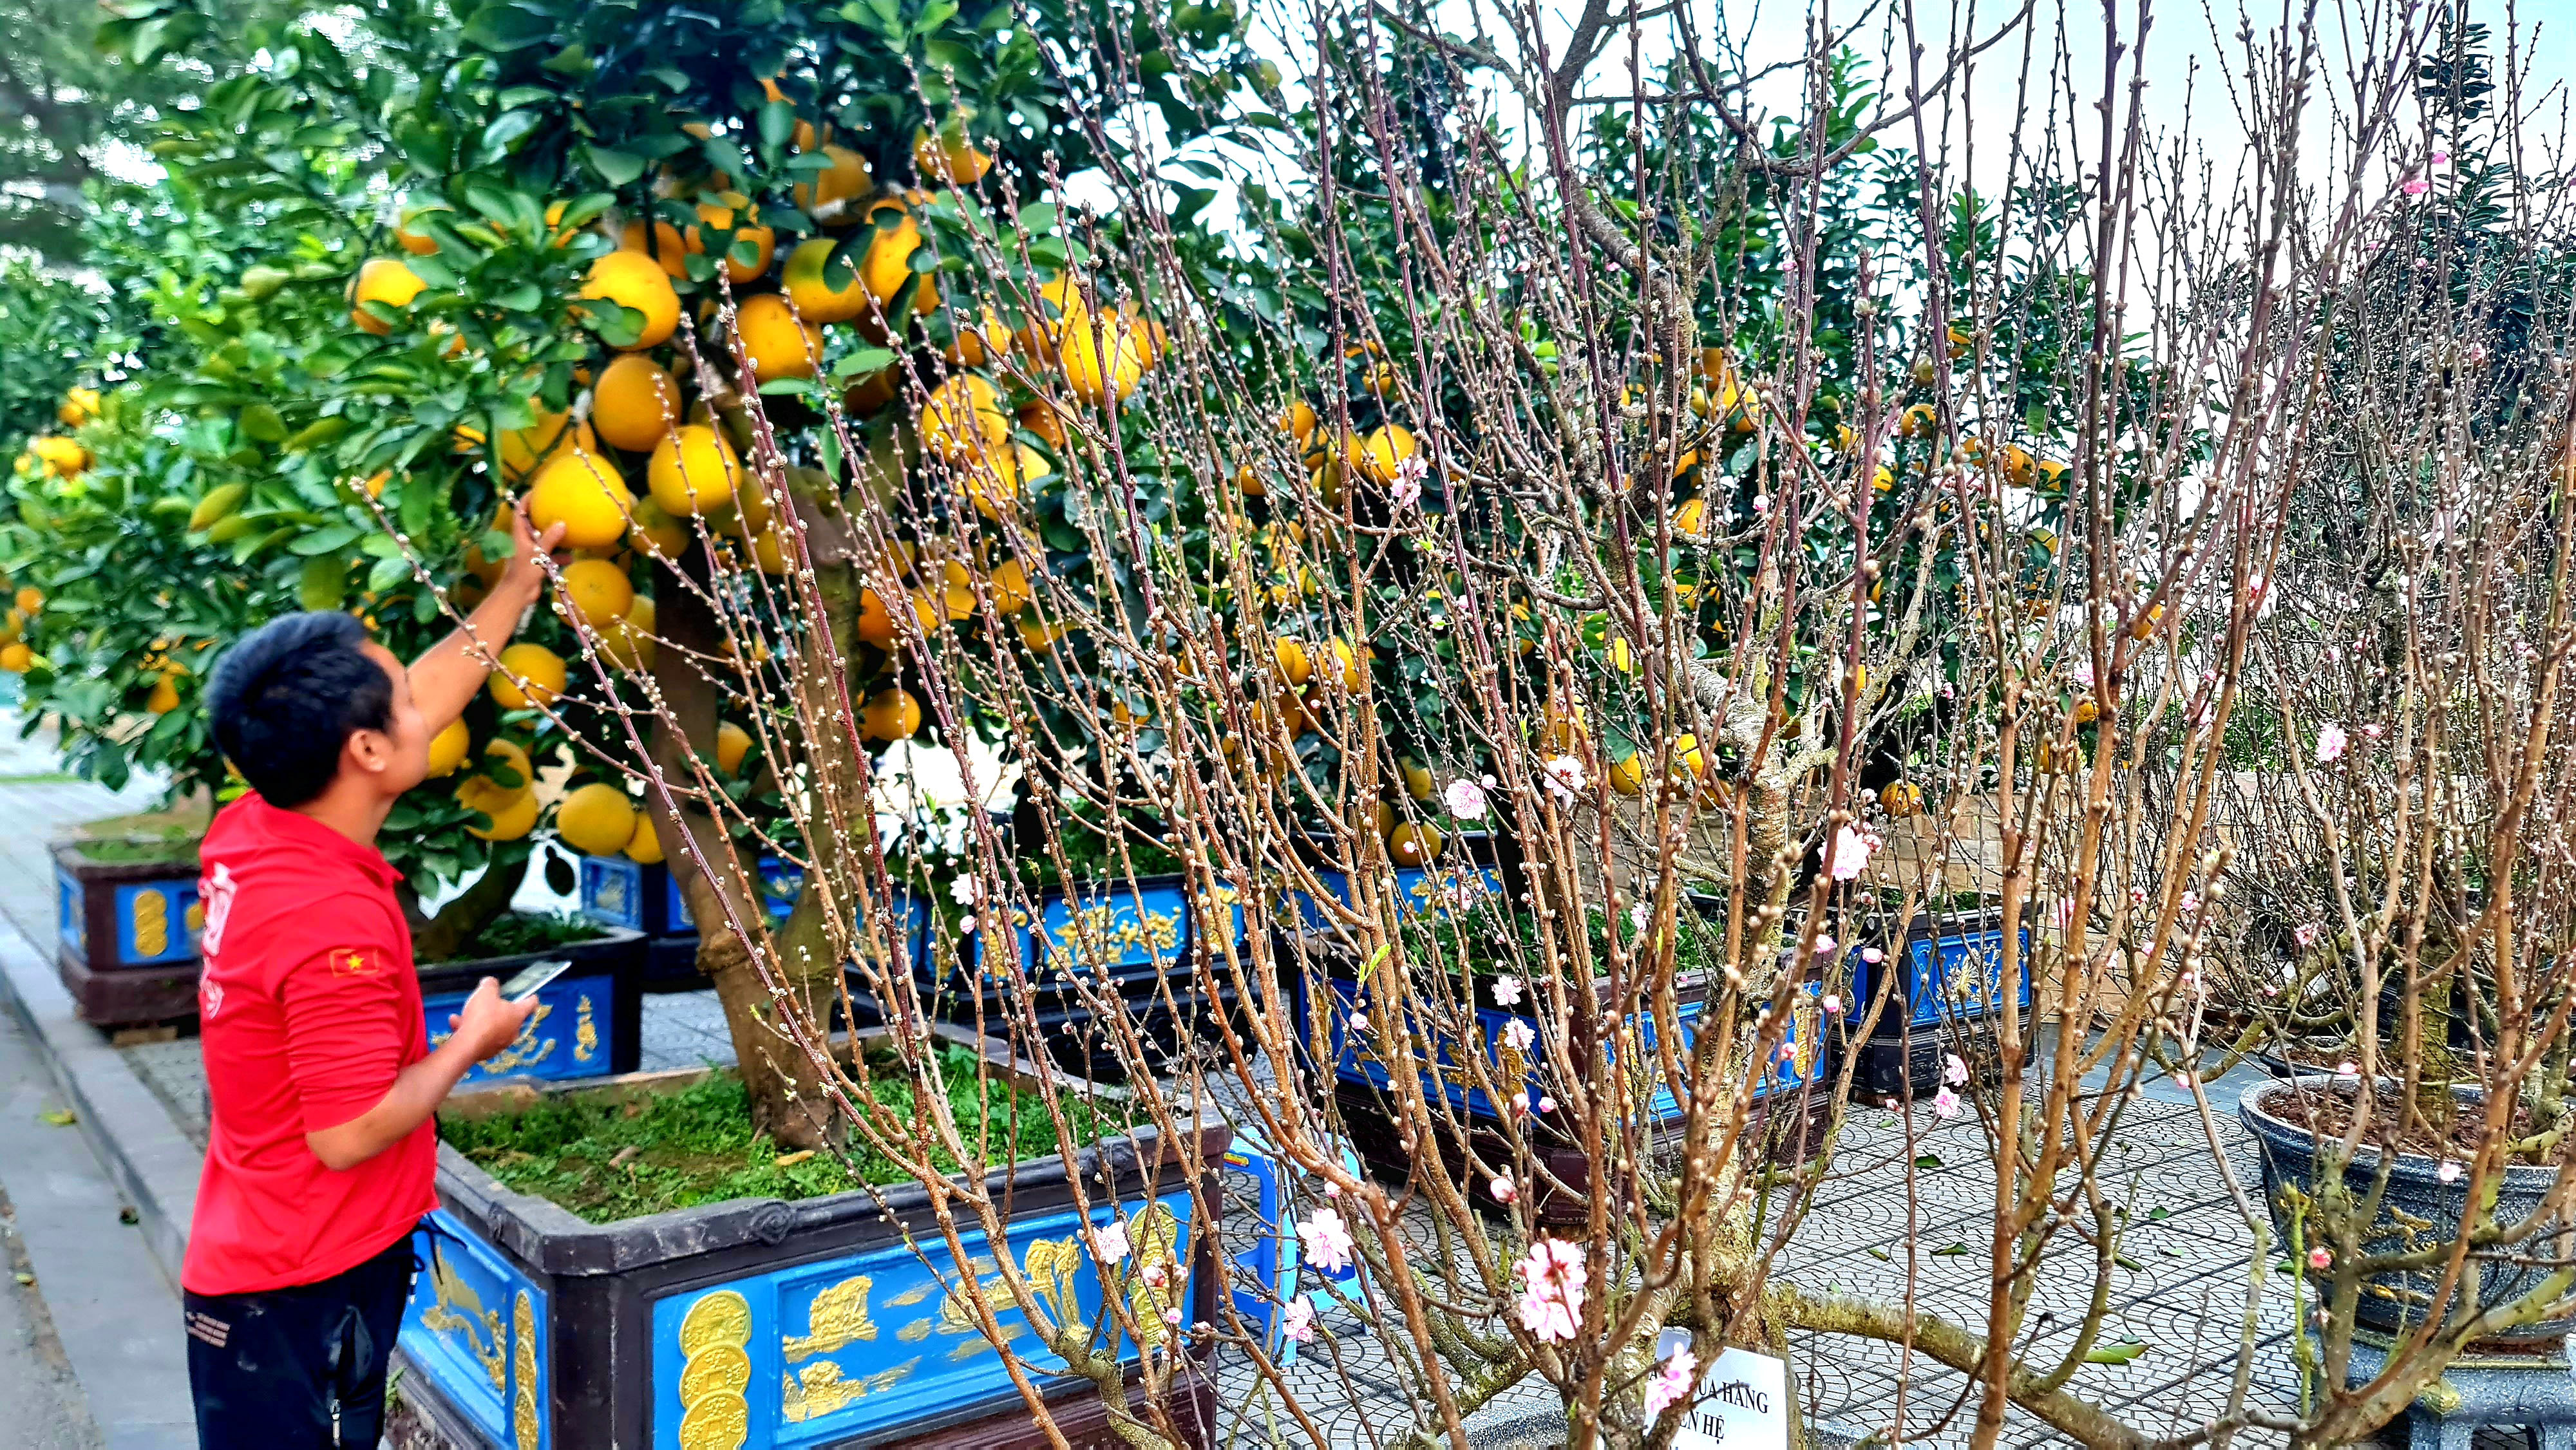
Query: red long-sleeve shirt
pixel 310 1009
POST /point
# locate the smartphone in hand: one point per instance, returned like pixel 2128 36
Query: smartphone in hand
pixel 524 982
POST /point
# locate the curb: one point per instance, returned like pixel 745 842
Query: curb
pixel 151 1163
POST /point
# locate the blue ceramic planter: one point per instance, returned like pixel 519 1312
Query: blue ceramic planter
pixel 836 1321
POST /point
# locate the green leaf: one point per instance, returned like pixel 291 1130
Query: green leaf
pixel 1950 1251
pixel 261 423
pixel 315 434
pixel 617 168
pixel 777 123
pixel 1038 217
pixel 325 541
pixel 2124 1352
pixel 507 27
pixel 861 362
pixel 1928 1160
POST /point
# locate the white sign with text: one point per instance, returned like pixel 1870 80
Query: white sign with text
pixel 1743 1404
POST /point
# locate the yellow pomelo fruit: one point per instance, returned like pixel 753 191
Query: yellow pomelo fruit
pixel 1102 364
pixel 419 244
pixel 165 694
pixel 1413 843
pixel 645 846
pixel 769 551
pixel 847 180
pixel 447 749
pixel 1011 587
pixel 815 299
pixel 1417 779
pixel 1687 757
pixel 888 264
pixel 876 626
pixel 1047 421
pixel 634 403
pixel 981 341
pixel 1628 776
pixel 964 421
pixel 596 820
pixel 630 279
pixel 661 243
pixel 949 156
pixel 655 533
pixel 523 449
pixel 384 280
pixel 541 668
pixel 694 470
pixel 1298 419
pixel 891 715
pixel 582 492
pixel 65 456
pixel 511 819
pixel 1353 665
pixel 79 406
pixel 747 257
pixel 1386 450
pixel 1901 798
pixel 16 658
pixel 598 592
pixel 732 744
pixel 512 761
pixel 778 343
pixel 1057 309
pixel 1290 658
pixel 629 642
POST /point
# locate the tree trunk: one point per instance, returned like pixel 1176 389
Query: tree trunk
pixel 787 1102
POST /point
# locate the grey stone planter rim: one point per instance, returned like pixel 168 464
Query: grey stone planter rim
pixel 556 1241
pixel 2412 1168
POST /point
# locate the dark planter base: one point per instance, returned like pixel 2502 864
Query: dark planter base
pixel 671 965
pixel 1910 1063
pixel 1079 1413
pixel 1782 1132
pixel 130 996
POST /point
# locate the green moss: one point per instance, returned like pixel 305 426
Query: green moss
pixel 142 850
pixel 512 933
pixel 607 1157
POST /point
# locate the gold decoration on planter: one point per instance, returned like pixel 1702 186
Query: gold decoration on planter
pixel 838 1316
pixel 585 1034
pixel 523 1364
pixel 459 1313
pixel 820 1390
pixel 715 1372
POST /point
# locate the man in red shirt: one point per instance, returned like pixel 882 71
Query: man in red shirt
pixel 324 1149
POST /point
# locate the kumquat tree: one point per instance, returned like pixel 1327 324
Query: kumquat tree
pixel 1716 693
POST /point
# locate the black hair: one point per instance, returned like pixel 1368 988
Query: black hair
pixel 288 696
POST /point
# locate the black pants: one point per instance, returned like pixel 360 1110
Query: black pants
pixel 300 1367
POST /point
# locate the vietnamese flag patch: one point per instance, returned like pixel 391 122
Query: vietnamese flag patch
pixel 352 962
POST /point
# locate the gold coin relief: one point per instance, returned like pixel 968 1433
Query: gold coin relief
pixel 723 1317
pixel 718 1369
pixel 719 1422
